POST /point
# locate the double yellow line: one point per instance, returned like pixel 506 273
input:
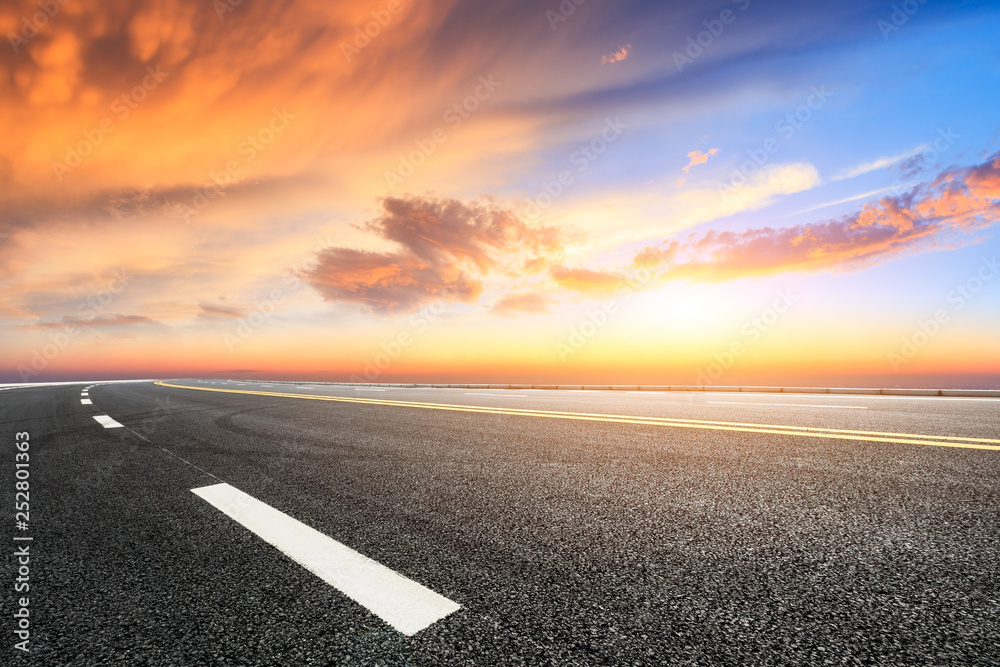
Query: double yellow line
pixel 803 431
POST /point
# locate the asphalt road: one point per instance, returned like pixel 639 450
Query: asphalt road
pixel 571 527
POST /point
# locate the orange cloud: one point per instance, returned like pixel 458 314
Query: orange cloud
pixel 525 303
pixel 587 281
pixel 617 56
pixel 957 202
pixel 216 311
pixel 447 248
pixel 697 157
pixel 89 322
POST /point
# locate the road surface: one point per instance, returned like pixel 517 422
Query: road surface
pixel 404 526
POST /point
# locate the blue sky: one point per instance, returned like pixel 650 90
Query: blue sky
pixel 873 203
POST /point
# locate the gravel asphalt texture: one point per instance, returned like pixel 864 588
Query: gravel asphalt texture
pixel 566 542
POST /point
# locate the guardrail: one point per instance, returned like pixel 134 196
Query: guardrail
pixel 983 393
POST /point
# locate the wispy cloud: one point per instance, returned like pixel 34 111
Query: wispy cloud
pixel 218 311
pixel 957 202
pixel 880 163
pixel 90 322
pixel 845 200
pixel 772 181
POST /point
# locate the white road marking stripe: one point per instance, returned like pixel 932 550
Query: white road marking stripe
pixel 791 405
pixel 856 397
pixel 402 603
pixel 107 422
pixel 367 389
pixel 86 401
pixel 498 395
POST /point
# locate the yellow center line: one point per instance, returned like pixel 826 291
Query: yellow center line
pixel 805 431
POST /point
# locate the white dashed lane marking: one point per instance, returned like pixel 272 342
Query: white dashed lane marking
pixel 402 603
pixel 107 422
pixel 86 401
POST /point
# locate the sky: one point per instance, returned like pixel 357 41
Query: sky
pixel 729 193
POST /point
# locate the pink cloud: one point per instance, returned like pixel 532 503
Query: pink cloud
pixel 524 303
pixel 697 157
pixel 586 281
pixel 446 249
pixel 957 202
pixel 617 56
